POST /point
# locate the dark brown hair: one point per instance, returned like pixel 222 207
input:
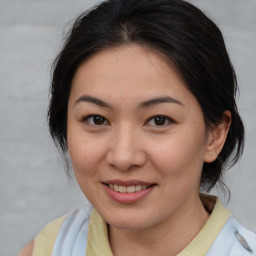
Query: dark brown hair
pixel 179 31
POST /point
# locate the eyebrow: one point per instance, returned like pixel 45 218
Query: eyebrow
pixel 144 104
pixel 93 100
pixel 159 100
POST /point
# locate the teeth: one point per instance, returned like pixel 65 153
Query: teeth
pixel 127 189
pixel 122 189
pixel 130 189
pixel 138 187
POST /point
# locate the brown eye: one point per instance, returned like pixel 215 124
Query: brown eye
pixel 96 120
pixel 159 121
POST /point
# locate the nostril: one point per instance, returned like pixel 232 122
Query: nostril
pixel 125 159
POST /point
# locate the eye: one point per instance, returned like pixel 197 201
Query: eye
pixel 96 120
pixel 159 120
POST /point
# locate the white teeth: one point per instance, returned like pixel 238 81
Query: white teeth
pixel 122 189
pixel 127 189
pixel 138 187
pixel 130 189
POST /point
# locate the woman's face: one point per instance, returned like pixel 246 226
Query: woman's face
pixel 136 137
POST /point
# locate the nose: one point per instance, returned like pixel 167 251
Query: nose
pixel 125 150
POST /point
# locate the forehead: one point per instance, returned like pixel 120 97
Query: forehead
pixel 128 72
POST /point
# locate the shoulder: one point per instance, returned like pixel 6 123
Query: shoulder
pixel 43 243
pixel 234 240
pixel 45 239
pixel 62 234
pixel 245 239
pixel 27 250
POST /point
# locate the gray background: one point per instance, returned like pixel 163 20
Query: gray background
pixel 33 185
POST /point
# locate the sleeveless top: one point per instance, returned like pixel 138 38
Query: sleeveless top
pixel 80 233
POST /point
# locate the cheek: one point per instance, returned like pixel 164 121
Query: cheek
pixel 180 156
pixel 86 157
pixel 86 154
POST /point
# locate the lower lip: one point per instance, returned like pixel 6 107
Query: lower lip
pixel 128 198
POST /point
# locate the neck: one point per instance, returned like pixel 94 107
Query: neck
pixel 169 237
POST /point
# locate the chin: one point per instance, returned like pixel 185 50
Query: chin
pixel 129 225
pixel 129 221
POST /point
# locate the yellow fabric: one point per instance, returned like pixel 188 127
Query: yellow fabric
pixel 98 245
pixel 44 241
pixel 97 239
pixel 204 239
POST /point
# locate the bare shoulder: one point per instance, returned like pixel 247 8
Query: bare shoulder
pixel 27 250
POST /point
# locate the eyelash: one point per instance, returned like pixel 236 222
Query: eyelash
pixel 87 118
pixel 167 120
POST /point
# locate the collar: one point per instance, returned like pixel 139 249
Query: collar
pixel 98 244
pixel 207 235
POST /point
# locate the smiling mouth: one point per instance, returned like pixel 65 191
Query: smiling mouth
pixel 128 192
pixel 127 189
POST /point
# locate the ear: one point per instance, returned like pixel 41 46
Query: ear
pixel 217 137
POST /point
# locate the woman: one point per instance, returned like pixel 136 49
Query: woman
pixel 143 100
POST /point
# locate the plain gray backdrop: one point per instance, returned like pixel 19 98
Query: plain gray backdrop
pixel 33 186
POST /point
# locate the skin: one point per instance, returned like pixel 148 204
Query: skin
pixel 27 250
pixel 127 143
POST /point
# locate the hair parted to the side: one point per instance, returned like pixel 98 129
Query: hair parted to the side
pixel 179 31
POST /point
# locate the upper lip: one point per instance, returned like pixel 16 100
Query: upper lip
pixel 128 182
